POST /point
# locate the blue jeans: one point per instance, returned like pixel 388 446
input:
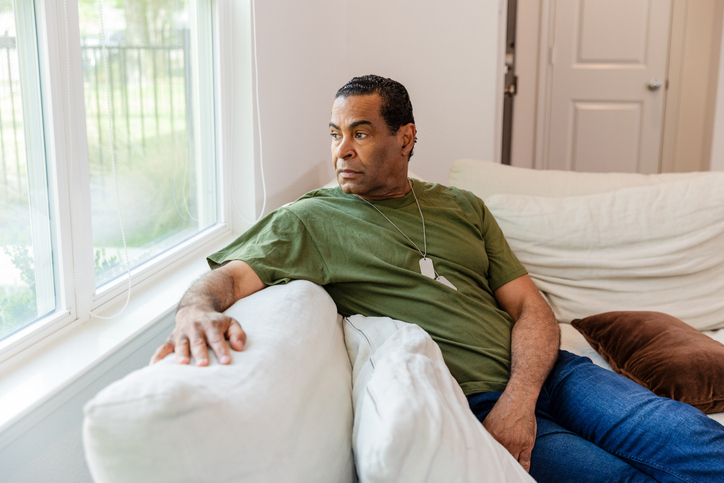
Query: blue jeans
pixel 595 425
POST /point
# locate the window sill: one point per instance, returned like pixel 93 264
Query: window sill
pixel 28 382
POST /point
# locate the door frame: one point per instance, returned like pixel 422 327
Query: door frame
pixel 688 131
pixel 545 86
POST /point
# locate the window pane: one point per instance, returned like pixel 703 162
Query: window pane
pixel 27 287
pixel 167 190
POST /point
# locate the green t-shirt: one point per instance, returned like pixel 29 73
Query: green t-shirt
pixel 369 268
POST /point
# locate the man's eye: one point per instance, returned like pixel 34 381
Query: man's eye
pixel 334 135
pixel 360 135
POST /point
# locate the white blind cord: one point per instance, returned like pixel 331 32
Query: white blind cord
pixel 71 152
pixel 258 123
pixel 113 163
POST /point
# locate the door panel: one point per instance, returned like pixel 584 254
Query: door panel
pixel 602 114
pixel 610 31
pixel 606 136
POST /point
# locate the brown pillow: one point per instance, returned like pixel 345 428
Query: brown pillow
pixel 661 353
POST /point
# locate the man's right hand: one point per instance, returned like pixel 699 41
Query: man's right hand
pixel 195 329
pixel 200 320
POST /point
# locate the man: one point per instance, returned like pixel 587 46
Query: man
pixel 384 245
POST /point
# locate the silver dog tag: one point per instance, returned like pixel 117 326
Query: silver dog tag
pixel 445 281
pixel 427 268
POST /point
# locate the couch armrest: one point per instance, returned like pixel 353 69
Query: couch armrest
pixel 281 411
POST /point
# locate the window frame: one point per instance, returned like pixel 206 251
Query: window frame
pixel 63 104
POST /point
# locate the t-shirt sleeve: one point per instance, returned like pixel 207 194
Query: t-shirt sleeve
pixel 279 249
pixel 504 266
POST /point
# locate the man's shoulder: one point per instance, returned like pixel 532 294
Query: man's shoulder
pixel 453 194
pixel 319 195
pixel 441 188
pixel 314 200
pixel 323 193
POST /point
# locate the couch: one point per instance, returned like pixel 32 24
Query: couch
pixel 315 397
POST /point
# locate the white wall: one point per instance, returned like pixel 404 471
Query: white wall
pixel 446 54
pixel 717 149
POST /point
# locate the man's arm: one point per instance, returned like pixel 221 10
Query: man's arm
pixel 199 317
pixel 534 348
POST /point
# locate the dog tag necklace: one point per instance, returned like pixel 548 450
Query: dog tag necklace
pixel 426 266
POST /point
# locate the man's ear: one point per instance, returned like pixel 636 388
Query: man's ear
pixel 406 135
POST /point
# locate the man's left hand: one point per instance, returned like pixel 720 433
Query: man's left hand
pixel 514 427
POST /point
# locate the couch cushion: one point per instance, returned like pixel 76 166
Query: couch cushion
pixel 485 178
pixel 281 411
pixel 412 421
pixel 662 354
pixel 654 248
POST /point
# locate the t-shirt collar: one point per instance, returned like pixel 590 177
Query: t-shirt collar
pixel 406 200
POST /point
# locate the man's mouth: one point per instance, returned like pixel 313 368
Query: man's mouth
pixel 347 173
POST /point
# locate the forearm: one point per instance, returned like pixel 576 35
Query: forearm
pixel 214 291
pixel 220 288
pixel 535 340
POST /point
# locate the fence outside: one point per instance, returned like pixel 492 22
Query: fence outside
pixel 150 92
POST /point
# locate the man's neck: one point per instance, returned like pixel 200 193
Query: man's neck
pixel 403 190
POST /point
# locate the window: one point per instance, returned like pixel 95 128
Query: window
pixel 149 81
pixel 103 104
pixel 27 282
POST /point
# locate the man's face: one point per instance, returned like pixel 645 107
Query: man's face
pixel 368 160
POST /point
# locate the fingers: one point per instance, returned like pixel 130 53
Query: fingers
pixel 216 332
pixel 217 340
pixel 517 435
pixel 237 336
pixel 162 352
pixel 182 350
pixel 191 340
pixel 524 459
pixel 197 343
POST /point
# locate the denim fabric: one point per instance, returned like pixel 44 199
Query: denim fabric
pixel 597 426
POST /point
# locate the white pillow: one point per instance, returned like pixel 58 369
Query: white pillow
pixel 281 411
pixel 412 422
pixel 485 178
pixel 657 248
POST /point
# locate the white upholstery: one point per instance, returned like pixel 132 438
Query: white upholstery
pixel 657 247
pixel 485 178
pixel 412 421
pixel 573 341
pixel 281 411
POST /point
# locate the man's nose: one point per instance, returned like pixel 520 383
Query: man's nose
pixel 344 149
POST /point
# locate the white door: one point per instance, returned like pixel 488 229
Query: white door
pixel 607 68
